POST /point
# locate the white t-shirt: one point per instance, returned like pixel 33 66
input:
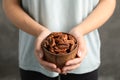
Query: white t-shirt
pixel 58 16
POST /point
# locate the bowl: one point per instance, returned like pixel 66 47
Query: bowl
pixel 59 47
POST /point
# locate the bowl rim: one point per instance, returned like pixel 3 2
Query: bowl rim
pixel 76 48
pixel 60 54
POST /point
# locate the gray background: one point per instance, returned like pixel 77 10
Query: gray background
pixel 110 51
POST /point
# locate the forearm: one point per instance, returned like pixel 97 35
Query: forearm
pixel 22 20
pixel 98 17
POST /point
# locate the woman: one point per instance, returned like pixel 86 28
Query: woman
pixel 38 18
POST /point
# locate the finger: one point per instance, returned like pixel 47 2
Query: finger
pixel 38 49
pixel 56 70
pixel 39 40
pixel 69 68
pixel 53 69
pixel 38 45
pixel 47 64
pixel 50 66
pixel 79 54
pixel 73 61
pixel 64 72
pixel 82 50
pixel 38 55
pixel 83 53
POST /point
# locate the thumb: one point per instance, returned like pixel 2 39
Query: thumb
pixel 79 53
pixel 41 53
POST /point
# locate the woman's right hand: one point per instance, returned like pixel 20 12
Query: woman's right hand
pixel 39 53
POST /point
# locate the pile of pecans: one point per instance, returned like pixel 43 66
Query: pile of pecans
pixel 60 43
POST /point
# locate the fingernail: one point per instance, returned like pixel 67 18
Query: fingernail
pixel 67 63
pixel 40 55
pixel 79 53
pixel 64 72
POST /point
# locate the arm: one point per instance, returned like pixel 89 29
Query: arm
pixel 22 20
pixel 97 18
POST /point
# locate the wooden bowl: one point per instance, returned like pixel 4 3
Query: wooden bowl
pixel 59 59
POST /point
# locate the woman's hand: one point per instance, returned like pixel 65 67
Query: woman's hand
pixel 75 63
pixel 39 54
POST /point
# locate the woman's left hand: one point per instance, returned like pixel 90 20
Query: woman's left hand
pixel 82 50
